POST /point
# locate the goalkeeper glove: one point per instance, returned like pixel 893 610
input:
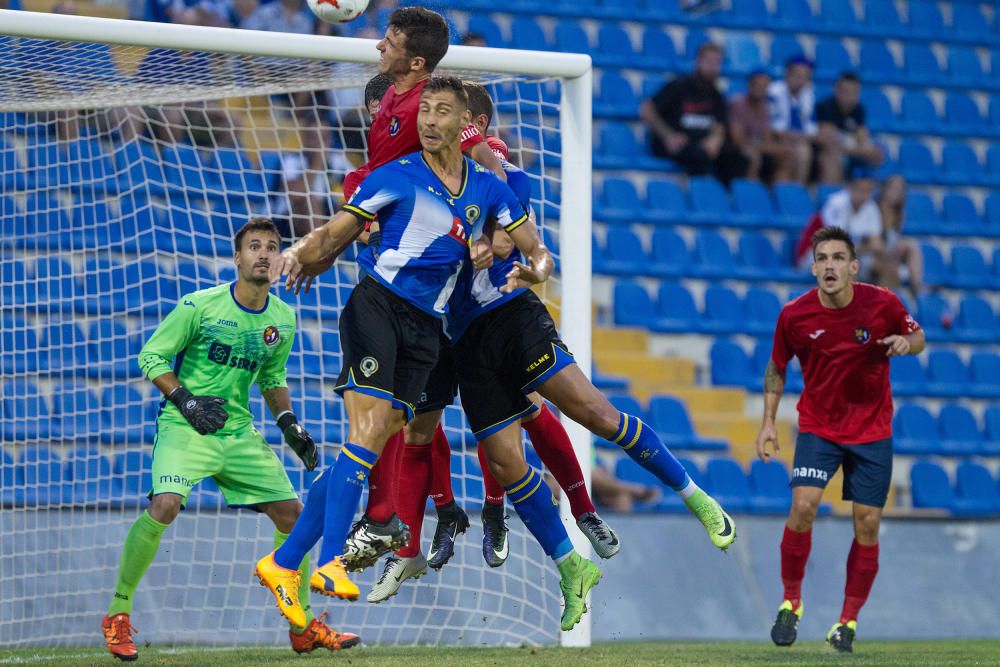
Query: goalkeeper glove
pixel 298 439
pixel 204 413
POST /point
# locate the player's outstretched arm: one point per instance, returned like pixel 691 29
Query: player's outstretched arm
pixel 539 260
pixel 279 402
pixel 899 345
pixel 774 386
pixel 485 156
pixel 316 251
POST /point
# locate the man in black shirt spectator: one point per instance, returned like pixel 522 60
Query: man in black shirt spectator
pixel 844 141
pixel 687 117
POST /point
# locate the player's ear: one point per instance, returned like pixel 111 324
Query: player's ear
pixel 417 63
pixel 855 266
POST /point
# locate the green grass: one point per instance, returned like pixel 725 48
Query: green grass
pixel 618 654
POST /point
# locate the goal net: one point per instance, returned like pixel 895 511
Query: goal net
pixel 130 155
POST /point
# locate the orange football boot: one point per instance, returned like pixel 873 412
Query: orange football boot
pixel 320 635
pixel 284 583
pixel 118 636
pixel 332 580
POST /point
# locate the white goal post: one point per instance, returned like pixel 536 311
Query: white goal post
pixel 573 72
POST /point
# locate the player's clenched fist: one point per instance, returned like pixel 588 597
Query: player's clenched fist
pixel 205 413
pixel 767 434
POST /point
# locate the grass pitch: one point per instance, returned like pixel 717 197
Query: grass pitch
pixel 957 652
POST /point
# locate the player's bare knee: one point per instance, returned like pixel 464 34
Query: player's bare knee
pixel 165 507
pixel 803 512
pixel 866 526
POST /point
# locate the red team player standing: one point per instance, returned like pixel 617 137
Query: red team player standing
pixel 843 334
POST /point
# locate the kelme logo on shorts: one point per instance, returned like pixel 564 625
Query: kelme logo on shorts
pixel 368 366
pixel 271 335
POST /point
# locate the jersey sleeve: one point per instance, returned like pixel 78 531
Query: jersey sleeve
pixel 505 207
pixel 900 320
pixel 272 374
pixel 378 190
pixel 781 352
pixel 520 185
pixel 470 137
pixel 171 338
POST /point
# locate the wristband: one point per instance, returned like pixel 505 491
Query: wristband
pixel 286 419
pixel 179 395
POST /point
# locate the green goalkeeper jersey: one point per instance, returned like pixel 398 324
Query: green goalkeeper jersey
pixel 217 347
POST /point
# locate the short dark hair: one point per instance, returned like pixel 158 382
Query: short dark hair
pixel 437 84
pixel 833 234
pixel 256 224
pixel 707 47
pixel 480 102
pixel 376 88
pixel 426 34
pixel 849 77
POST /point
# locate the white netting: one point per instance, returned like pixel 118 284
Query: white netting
pixel 125 173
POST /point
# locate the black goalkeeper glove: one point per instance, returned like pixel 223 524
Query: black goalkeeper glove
pixel 204 413
pixel 299 440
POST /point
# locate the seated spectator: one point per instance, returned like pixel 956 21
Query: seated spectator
pixel 192 12
pixel 687 117
pixel 843 138
pixel 791 102
pixel 902 256
pixel 282 16
pixel 854 210
pixel 619 496
pixel 750 131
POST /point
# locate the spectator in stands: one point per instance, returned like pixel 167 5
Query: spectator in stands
pixel 903 257
pixel 473 39
pixel 619 496
pixel 687 117
pixel 842 137
pixel 791 102
pixel 854 210
pixel 192 12
pixel 282 16
pixel 750 130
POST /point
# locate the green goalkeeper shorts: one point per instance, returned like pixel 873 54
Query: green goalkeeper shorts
pixel 242 465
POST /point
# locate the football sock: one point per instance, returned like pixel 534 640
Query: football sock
pixel 414 481
pixel 494 490
pixel 382 481
pixel 308 527
pixel 347 479
pixel 440 490
pixel 279 539
pixel 554 447
pixel 862 566
pixel 795 549
pixel 647 449
pixel 138 552
pixel 532 499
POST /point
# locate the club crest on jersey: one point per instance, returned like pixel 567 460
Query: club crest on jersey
pixel 394 126
pixel 472 214
pixel 862 335
pixel 368 366
pixel 271 335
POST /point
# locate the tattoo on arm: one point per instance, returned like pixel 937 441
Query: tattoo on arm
pixel 774 382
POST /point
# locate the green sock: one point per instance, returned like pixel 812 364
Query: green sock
pixel 279 539
pixel 138 552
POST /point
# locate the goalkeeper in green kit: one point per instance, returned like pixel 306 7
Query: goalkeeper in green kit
pixel 203 357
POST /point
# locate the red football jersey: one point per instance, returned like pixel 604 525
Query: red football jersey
pixel 847 398
pixel 498 146
pixel 393 134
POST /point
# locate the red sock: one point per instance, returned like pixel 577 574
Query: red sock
pixel 494 489
pixel 794 554
pixel 441 492
pixel 415 472
pixel 862 566
pixel 382 480
pixel 554 448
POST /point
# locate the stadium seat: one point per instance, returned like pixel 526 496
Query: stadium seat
pixel 794 204
pixel 709 202
pixel 19 343
pixel 11 478
pixel 925 20
pixel 985 369
pixel 614 46
pixel 968 23
pixel 930 487
pixel 525 33
pixel 76 412
pixel 43 477
pixel 713 258
pixel 907 376
pixel 960 435
pixel 727 483
pixel 628 470
pixel 832 59
pixel 769 490
pixel 916 161
pixel 622 255
pixel 879 114
pixel 618 147
pixel 123 417
pixel 763 308
pixel 964 67
pixel 572 38
pixel 933 312
pixel 962 116
pixel 88 474
pixel 487 27
pixel 65 347
pixel 725 312
pixel 748 14
pixel 111 350
pixel 46 217
pixel 991 431
pixel 670 256
pixel 237 173
pixel 670 419
pixel 975 486
pixel 915 431
pixel 976 322
pixel 783 49
pixel 675 310
pixel 968 268
pixel 922 69
pixel 947 375
pixel 935 271
pixel 133 468
pixel 752 203
pixel 880 67
pixel 658 51
pixel 759 260
pixel 921 215
pixel 794 15
pixel 959 165
pixel 991 177
pixel 618 202
pixel 731 367
pixel 882 20
pixel 26 415
pixel 665 203
pixel 693 40
pixel 632 305
pixel 742 54
pixel 616 97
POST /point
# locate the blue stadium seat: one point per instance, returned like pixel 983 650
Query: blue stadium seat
pixel 134 468
pixel 709 202
pixel 947 375
pixel 783 49
pixel 728 484
pixel 731 367
pixel 618 202
pixel 670 419
pixel 665 203
pixel 794 15
pixel 616 97
pixel 996 268
pixel 11 479
pixel 832 59
pixel 749 14
pixel 985 369
pixel 763 308
pixel 89 477
pixel 962 116
pixel 935 271
pixel 76 412
pixel 839 17
pixel 614 46
pixel 629 405
pixel 922 69
pixel 237 173
pixel 487 27
pixel 610 155
pixel 960 435
pixel 628 470
pixel 102 277
pixel 713 258
pixel 933 311
pixel 916 162
pixel 138 162
pixel 670 254
pixel 725 312
pixel 762 356
pixel 795 204
pixel 760 260
pixel 882 20
pixel 742 54
pixel 43 477
pixel 632 305
pixel 968 268
pixel 921 215
pixel 960 215
pixel 26 415
pixel 19 343
pixel 879 114
pixel 525 33
pixel 976 322
pixel 111 350
pixel 965 68
pixel 991 430
pixel 977 488
pixel 571 37
pixel 930 487
pixel 959 165
pixel 46 217
pixel 675 310
pixel 907 376
pixel 753 204
pixel 915 430
pixel 13 176
pixel 770 493
pixel 65 346
pixel 144 291
pixel 926 21
pixel 968 23
pixel 991 177
pixel 185 170
pixel 658 50
pixel 124 418
pixel 194 276
pixel 623 254
pixel 693 40
pixel 880 67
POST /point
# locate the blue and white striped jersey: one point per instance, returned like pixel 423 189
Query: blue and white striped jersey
pixel 425 228
pixel 478 292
